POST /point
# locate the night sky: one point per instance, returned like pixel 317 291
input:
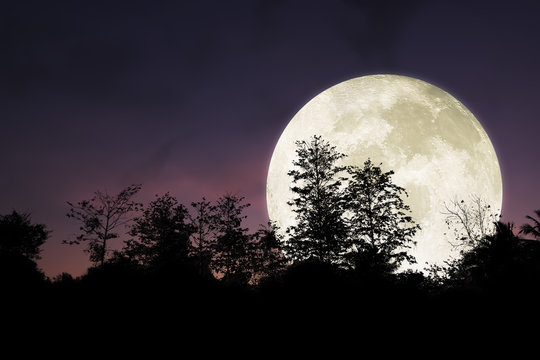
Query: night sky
pixel 190 97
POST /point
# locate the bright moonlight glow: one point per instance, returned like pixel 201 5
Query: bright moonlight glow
pixel 436 147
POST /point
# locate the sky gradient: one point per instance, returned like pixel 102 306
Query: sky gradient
pixel 190 97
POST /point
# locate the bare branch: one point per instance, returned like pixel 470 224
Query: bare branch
pixel 100 217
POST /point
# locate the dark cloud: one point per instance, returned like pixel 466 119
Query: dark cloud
pixel 149 167
pixel 373 27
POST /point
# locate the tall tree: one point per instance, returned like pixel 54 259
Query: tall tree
pixel 231 247
pixel 162 233
pixel 320 231
pixel 381 228
pixel 534 228
pixel 202 221
pixel 100 217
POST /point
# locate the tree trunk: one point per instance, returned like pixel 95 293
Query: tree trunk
pixel 105 234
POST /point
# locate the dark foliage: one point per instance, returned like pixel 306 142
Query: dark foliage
pixel 381 228
pixel 247 292
pixel 162 234
pixel 19 273
pixel 20 246
pixel 18 236
pixel 495 284
pixel 266 258
pixel 231 248
pixel 359 221
pixel 534 228
pixel 319 203
pixel 501 265
pixel 203 237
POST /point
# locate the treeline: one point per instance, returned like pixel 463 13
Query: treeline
pixel 341 259
pixel 208 238
pixel 153 281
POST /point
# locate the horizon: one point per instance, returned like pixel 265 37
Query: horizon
pixel 191 98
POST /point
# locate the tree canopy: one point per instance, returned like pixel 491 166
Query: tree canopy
pixel 381 227
pixel 163 233
pixel 346 215
pixel 18 236
pixel 319 203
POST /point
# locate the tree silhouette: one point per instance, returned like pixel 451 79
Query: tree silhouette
pixel 381 228
pixel 320 231
pixel 162 233
pixel 533 229
pixel 100 217
pixel 230 249
pixel 502 264
pixel 471 221
pixel 203 237
pixel 20 246
pixel 18 236
pixel 265 253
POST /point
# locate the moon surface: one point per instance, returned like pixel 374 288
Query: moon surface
pixel 434 144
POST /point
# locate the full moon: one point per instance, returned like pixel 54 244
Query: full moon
pixel 438 151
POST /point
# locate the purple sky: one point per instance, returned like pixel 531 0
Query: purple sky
pixel 191 96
